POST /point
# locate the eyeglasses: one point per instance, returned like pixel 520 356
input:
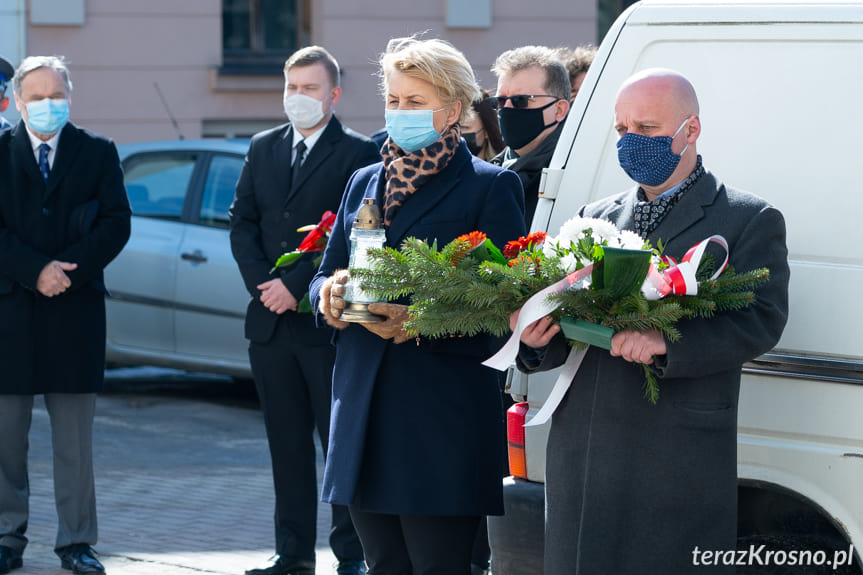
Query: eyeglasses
pixel 518 101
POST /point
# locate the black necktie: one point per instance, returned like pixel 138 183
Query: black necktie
pixel 298 160
pixel 43 161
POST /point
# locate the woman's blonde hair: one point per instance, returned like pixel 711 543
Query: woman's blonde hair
pixel 437 62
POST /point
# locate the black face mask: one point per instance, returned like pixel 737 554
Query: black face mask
pixel 470 140
pixel 520 126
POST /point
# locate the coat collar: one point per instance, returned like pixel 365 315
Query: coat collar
pixel 23 153
pixel 426 198
pixel 67 151
pixel 688 211
pixel 64 158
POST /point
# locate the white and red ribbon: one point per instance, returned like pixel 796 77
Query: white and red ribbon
pixel 537 307
pixel 679 278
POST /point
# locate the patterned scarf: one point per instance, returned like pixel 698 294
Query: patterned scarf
pixel 406 173
pixel 648 215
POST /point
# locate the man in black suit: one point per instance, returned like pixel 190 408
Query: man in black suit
pixel 292 175
pixel 63 217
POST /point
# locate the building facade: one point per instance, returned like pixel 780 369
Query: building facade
pixel 163 69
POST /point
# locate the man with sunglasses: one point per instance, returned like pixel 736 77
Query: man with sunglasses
pixel 532 102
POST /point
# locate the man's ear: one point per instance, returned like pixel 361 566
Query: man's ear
pixel 561 109
pixel 693 129
pixel 4 103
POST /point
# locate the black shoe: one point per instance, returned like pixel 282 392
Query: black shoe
pixel 9 559
pixel 278 565
pixel 80 558
pixel 351 568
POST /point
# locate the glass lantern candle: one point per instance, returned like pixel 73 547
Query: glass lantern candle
pixel 366 233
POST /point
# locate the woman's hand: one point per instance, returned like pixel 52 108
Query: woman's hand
pixel 331 302
pixel 539 333
pixel 394 326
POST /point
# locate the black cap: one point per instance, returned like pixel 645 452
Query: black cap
pixel 6 71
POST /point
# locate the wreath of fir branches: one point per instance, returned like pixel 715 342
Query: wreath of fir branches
pixel 467 289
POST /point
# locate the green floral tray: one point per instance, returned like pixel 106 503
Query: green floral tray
pixel 586 332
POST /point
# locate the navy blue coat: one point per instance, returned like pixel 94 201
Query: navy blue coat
pixel 82 215
pixel 417 428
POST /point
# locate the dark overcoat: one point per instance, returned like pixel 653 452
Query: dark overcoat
pixel 633 488
pixel 268 210
pixel 416 428
pixel 82 215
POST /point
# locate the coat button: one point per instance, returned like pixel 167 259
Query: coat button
pixel 287 214
pixel 284 244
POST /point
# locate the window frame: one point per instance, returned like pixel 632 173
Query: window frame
pixel 192 185
pixel 257 59
pixel 198 193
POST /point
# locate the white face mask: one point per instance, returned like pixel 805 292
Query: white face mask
pixel 303 111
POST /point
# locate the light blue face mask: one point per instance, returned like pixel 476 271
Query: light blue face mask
pixel 412 130
pixel 47 116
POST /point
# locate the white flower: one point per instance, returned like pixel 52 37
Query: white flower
pixel 573 230
pixel 569 262
pixel 630 240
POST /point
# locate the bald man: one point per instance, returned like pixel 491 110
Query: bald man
pixel 631 487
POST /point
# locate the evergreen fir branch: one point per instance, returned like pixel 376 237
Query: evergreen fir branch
pixel 733 301
pixel 700 306
pixel 662 318
pixel 747 281
pixel 651 387
pixel 436 321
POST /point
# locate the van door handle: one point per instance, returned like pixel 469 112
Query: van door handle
pixel 197 257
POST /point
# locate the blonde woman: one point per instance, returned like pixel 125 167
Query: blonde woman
pixel 415 444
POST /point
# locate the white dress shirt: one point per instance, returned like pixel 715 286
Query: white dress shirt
pixel 36 142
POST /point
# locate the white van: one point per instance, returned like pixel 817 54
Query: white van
pixel 780 85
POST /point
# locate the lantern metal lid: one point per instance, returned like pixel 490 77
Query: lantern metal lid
pixel 368 216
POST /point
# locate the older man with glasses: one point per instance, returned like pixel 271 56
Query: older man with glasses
pixel 532 102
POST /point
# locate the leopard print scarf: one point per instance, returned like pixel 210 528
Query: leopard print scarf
pixel 406 173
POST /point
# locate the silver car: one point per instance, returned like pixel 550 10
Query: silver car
pixel 176 296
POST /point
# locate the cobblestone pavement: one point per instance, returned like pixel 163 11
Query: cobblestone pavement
pixel 183 482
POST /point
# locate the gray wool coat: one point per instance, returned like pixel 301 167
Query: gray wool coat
pixel 633 488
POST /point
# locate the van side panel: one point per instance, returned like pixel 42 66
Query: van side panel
pixel 781 118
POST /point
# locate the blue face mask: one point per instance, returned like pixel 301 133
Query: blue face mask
pixel 412 130
pixel 47 116
pixel 648 160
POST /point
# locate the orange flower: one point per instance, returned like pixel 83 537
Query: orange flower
pixel 475 238
pixel 514 247
pixel 533 240
pixel 464 244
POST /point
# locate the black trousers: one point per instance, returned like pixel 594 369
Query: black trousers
pixel 416 544
pixel 294 383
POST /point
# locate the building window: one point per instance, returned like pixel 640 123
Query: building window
pixel 259 35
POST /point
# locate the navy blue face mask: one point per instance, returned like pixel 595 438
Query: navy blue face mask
pixel 648 160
